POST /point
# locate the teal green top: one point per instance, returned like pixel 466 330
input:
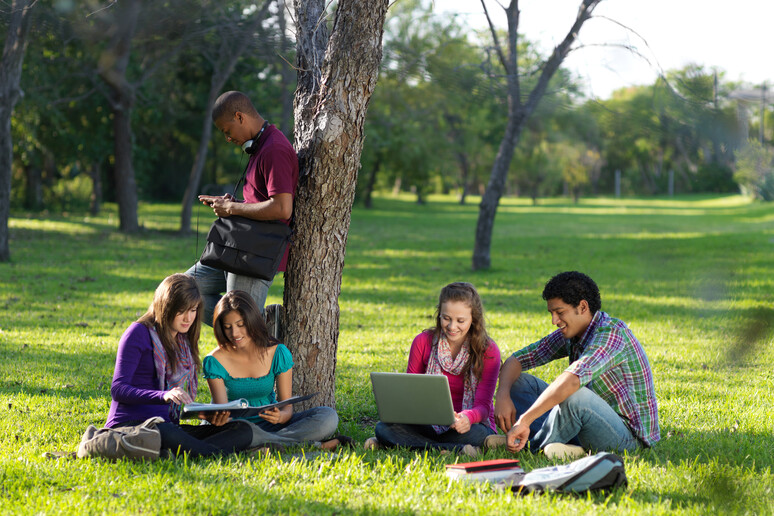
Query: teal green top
pixel 257 391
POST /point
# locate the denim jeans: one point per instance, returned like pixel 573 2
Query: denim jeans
pixel 203 440
pixel 310 425
pixel 583 418
pixel 425 436
pixel 213 282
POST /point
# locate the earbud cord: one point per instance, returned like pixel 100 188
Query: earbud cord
pixel 236 188
pixel 196 250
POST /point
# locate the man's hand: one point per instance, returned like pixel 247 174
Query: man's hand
pixel 517 436
pixel 505 411
pixel 220 204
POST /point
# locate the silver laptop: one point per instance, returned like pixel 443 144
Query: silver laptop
pixel 416 399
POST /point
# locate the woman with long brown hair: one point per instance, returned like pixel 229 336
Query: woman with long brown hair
pixel 156 367
pixel 459 348
pixel 251 364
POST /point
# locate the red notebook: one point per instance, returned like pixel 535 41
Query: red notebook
pixel 483 465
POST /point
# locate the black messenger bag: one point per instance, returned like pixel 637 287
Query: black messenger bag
pixel 246 247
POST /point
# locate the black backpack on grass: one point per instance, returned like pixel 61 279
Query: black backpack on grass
pixel 599 472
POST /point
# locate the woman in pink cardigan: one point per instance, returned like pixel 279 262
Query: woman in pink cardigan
pixel 459 348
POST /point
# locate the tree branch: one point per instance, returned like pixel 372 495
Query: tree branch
pixel 560 52
pixel 495 39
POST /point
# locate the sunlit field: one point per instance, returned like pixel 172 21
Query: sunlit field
pixel 692 276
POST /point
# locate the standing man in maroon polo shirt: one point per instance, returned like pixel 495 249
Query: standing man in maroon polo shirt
pixel 269 190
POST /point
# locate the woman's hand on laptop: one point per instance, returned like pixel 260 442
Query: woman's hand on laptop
pixel 461 423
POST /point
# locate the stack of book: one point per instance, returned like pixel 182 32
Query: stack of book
pixel 495 471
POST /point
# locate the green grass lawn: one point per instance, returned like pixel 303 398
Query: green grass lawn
pixel 693 277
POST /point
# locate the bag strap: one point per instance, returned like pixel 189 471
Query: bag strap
pixel 244 178
pixel 139 449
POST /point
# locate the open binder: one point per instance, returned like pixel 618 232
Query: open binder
pixel 240 409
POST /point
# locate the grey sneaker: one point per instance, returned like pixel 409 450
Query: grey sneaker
pixel 471 451
pixel 372 443
pixel 494 441
pixel 563 451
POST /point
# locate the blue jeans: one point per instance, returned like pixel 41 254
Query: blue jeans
pixel 310 425
pixel 583 418
pixel 213 282
pixel 425 436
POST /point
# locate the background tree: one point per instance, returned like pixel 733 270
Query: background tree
pixel 230 35
pixel 403 125
pixel 10 72
pixel 684 122
pixel 755 170
pixel 62 137
pixel 429 126
pixel 519 112
pixel 468 102
pixel 337 75
pixel 135 40
pixel 538 166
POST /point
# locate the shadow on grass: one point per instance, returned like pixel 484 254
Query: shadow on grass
pixel 49 373
pixel 717 468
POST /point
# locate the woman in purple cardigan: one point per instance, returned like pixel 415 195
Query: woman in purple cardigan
pixel 156 373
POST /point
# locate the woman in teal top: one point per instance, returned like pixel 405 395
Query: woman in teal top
pixel 248 363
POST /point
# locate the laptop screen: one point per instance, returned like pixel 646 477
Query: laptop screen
pixel 415 399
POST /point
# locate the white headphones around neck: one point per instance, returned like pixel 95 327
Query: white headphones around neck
pixel 249 145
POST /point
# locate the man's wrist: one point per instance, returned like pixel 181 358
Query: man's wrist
pixel 502 393
pixel 522 421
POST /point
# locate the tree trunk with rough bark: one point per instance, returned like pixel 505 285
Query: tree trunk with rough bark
pixel 337 75
pixel 18 22
pixel 112 69
pixel 518 114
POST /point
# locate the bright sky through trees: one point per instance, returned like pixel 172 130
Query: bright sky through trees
pixel 732 36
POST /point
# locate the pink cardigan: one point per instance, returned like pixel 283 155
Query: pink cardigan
pixel 483 408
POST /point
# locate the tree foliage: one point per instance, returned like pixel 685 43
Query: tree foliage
pixel 434 124
pixel 755 170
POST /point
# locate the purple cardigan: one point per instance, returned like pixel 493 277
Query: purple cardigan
pixel 135 385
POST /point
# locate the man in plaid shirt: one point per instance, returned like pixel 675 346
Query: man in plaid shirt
pixel 604 400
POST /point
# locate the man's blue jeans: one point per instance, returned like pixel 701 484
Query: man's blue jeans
pixel 583 418
pixel 213 282
pixel 424 436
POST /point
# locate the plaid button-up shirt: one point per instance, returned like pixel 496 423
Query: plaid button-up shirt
pixel 610 361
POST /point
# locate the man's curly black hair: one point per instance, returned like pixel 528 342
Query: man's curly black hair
pixel 571 287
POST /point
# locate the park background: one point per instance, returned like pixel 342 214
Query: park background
pixel 658 192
